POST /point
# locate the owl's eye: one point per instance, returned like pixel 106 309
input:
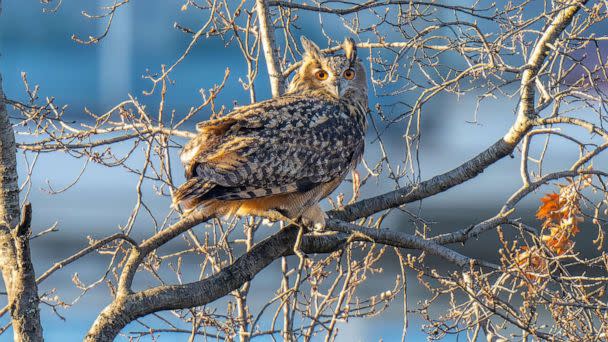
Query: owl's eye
pixel 349 74
pixel 321 75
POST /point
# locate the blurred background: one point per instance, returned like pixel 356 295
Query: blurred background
pixel 142 38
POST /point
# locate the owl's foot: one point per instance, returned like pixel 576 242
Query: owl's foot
pixel 315 218
pixel 275 215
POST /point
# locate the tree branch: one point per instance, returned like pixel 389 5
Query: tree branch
pixel 500 149
pixel 468 170
pixel 277 81
pixel 372 4
pixel 129 307
pixel 402 240
pixel 138 253
pixel 412 44
pixel 15 261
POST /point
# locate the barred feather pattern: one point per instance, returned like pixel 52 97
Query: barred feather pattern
pixel 273 147
pixel 304 142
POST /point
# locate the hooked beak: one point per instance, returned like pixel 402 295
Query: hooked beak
pixel 335 89
pixel 338 88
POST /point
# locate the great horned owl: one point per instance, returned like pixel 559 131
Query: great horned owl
pixel 278 158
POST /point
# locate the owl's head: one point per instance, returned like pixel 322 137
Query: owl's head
pixel 341 75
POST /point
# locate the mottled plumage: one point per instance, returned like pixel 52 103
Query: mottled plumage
pixel 278 158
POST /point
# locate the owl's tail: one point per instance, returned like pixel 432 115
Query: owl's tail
pixel 190 194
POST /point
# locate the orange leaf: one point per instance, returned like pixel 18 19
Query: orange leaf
pixel 549 207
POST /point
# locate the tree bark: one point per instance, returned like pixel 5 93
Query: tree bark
pixel 127 307
pixel 15 262
pixel 277 81
pixel 130 306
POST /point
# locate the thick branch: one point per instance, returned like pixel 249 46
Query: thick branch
pixel 129 307
pixel 433 186
pixel 15 261
pixel 24 301
pixel 126 308
pixel 526 111
pixel 277 81
pixel 83 252
pixel 138 253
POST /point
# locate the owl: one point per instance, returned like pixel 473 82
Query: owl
pixel 278 158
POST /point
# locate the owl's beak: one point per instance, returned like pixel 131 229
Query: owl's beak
pixel 338 88
pixel 335 89
pixel 342 85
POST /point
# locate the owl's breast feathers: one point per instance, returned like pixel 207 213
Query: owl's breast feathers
pixel 292 144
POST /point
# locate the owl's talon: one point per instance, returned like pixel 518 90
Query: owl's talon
pixel 314 218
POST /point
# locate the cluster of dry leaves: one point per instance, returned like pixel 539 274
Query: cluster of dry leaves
pixel 561 216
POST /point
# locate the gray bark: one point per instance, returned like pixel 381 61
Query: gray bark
pixel 17 269
pixel 468 170
pixel 128 307
pixel 277 81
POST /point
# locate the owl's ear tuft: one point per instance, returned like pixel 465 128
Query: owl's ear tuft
pixel 350 49
pixel 311 49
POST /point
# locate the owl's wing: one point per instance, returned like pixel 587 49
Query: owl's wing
pixel 274 147
pixel 211 142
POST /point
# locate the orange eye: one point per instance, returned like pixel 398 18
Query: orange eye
pixel 349 74
pixel 321 75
